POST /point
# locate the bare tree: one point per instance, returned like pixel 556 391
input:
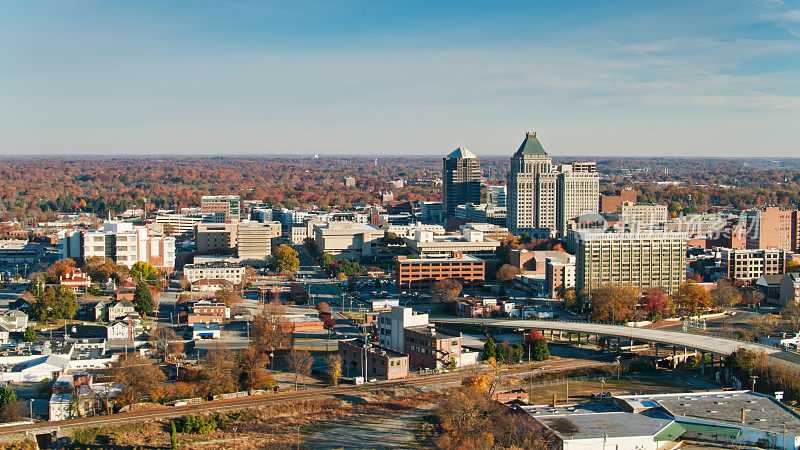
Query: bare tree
pixel 162 340
pixel 300 362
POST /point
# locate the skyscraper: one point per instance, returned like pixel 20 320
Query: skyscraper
pixel 542 199
pixel 531 198
pixel 461 180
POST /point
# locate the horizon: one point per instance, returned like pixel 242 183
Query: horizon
pixel 248 78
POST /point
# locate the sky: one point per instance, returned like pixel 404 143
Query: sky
pixel 215 77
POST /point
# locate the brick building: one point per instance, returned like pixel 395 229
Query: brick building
pixel 430 348
pixel 381 362
pixel 423 272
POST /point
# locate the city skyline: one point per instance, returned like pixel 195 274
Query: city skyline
pixel 251 78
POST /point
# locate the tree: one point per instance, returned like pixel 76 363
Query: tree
pixel 139 379
pixel 657 304
pixel 59 269
pixel 162 340
pixel 793 266
pixel 173 436
pixel 284 258
pixel 791 313
pixel 299 362
pixel 253 373
pixel 228 297
pixel 489 350
pixel 7 396
pixel 613 303
pixel 271 329
pixel 506 273
pixel 692 298
pixel 570 298
pixel 99 268
pixel 752 297
pixel 725 294
pixel 220 371
pixel 445 291
pixel 9 411
pixel 143 299
pixel 144 271
pixel 539 350
pixel 54 304
pixel 333 363
pixel 30 335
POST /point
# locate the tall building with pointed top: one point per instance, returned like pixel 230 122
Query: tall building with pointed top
pixel 461 180
pixel 541 198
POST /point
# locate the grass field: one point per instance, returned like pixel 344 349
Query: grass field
pixel 582 390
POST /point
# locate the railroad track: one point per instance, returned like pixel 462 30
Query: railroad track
pixel 255 401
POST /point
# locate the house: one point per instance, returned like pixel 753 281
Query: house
pixel 119 309
pixel 770 286
pixel 205 331
pixel 14 321
pixel 790 288
pixel 75 279
pixel 101 309
pixel 129 327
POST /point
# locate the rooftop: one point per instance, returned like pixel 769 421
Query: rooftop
pixel 597 420
pixel 531 146
pixel 461 153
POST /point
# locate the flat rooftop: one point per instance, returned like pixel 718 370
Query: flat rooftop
pixel 762 412
pixel 596 420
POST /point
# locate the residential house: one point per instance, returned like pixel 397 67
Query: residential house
pixel 790 288
pixel 119 309
pixel 770 286
pixel 14 321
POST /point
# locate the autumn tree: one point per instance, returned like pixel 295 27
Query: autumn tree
pixel 506 273
pixel 445 291
pixel 140 380
pixel 692 298
pixel 284 258
pixel 752 297
pixel 333 367
pixel 253 370
pixel 793 266
pixel 220 371
pixel 55 303
pixel 144 271
pixel 59 269
pixel 657 304
pixel 791 314
pixel 99 268
pixel 725 294
pixel 228 297
pixel 299 362
pixel 271 329
pixel 613 303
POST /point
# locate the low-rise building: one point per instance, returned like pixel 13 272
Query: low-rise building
pixel 469 242
pixel 421 273
pixel 350 240
pixel 392 325
pixel 214 271
pixel 206 285
pixel 14 321
pixel 75 279
pixel 16 251
pixel 430 348
pixel 205 331
pixel 360 359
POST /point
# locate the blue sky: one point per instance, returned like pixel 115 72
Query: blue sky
pixel 676 78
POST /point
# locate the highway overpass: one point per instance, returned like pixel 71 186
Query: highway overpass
pixel 702 343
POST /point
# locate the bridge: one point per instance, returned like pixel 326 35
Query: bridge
pixel 704 344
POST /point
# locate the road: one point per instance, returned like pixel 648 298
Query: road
pixel 704 343
pixel 20 431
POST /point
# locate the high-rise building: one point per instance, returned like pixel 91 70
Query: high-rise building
pixel 461 175
pixel 496 195
pixel 541 199
pixel 643 260
pixel 770 227
pixel 226 208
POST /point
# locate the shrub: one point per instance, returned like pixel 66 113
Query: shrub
pixel 198 425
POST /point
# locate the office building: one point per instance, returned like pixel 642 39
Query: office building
pixel 176 224
pixel 349 240
pixel 461 180
pixel 349 182
pixel 483 213
pixel 496 195
pixel 218 238
pixel 225 208
pixel 421 273
pixel 469 242
pixel 431 212
pixel 14 251
pixel 254 240
pixel 643 259
pixel 559 272
pixel 750 265
pixel 641 214
pixel 541 199
pixel 214 271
